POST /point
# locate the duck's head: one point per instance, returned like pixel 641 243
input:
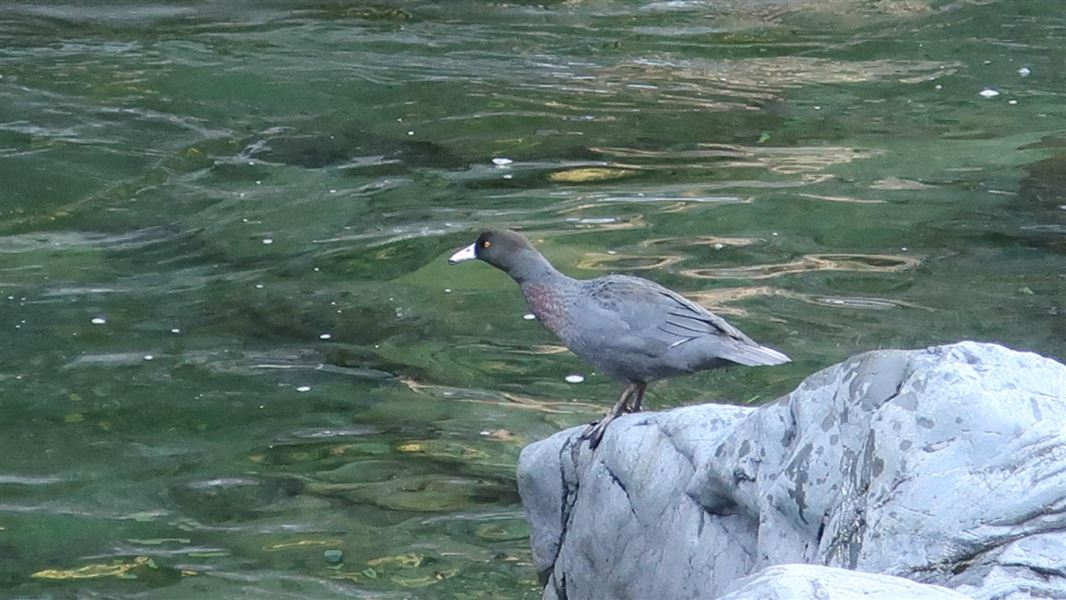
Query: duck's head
pixel 504 249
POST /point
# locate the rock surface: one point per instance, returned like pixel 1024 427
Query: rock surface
pixel 807 582
pixel 944 466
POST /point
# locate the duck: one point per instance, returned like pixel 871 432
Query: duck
pixel 629 328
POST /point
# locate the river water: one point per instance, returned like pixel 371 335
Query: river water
pixel 236 365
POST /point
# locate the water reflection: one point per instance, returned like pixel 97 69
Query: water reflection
pixel 845 199
pixel 725 301
pixel 898 183
pixel 781 160
pixel 881 263
pixel 502 399
pixel 716 242
pixel 860 303
pixel 728 301
pixel 720 84
pixel 618 223
pixel 626 262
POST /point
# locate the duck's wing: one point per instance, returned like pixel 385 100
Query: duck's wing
pixel 655 313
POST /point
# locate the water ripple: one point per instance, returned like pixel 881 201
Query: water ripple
pixel 878 263
pixel 31 480
pixel 793 160
pixel 626 262
pixel 724 300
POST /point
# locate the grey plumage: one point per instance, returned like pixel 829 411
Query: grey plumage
pixel 637 331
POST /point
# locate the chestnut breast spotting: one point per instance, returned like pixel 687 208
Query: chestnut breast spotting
pixel 549 307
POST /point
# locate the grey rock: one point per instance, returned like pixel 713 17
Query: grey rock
pixel 811 582
pixel 944 466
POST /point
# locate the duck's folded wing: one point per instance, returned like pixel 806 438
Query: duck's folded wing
pixel 652 312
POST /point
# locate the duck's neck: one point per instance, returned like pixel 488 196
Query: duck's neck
pixel 534 268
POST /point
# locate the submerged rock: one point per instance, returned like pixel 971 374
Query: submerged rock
pixel 327 143
pixel 944 466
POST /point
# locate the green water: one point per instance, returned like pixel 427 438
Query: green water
pixel 194 195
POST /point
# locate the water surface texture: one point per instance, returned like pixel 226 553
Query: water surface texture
pixel 233 360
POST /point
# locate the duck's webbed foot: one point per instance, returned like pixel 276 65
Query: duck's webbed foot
pixel 595 431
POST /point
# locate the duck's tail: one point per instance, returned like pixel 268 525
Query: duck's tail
pixel 753 355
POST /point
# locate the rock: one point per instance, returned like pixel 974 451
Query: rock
pixel 333 557
pixel 944 466
pixel 805 582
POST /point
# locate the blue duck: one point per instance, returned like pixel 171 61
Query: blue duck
pixel 631 329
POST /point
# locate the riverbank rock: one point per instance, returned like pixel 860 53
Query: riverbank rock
pixel 944 466
pixel 811 582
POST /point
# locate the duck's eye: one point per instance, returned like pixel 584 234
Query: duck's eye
pixel 485 243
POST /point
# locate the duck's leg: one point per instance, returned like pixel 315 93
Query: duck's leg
pixel 637 399
pixel 595 431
